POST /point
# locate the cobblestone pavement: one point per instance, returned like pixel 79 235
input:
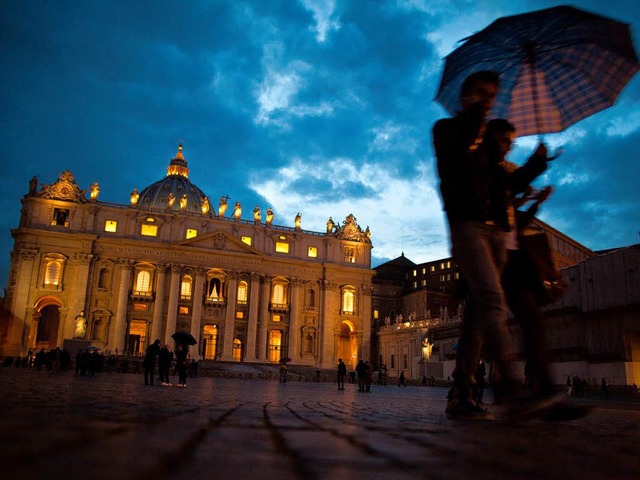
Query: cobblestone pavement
pixel 112 426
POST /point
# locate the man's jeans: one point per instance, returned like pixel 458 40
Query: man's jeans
pixel 478 249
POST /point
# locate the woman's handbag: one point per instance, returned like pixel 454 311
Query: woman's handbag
pixel 550 283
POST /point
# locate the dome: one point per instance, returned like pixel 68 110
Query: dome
pixel 175 192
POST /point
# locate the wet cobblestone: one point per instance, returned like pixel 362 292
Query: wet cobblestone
pixel 112 426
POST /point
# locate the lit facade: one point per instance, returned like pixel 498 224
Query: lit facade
pixel 122 275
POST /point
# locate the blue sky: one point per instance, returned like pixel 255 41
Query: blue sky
pixel 318 107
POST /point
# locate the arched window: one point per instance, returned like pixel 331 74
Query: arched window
pixel 143 282
pixel 52 273
pixel 348 301
pixel 242 292
pixel 103 279
pixel 278 294
pixel 185 287
pixel 214 289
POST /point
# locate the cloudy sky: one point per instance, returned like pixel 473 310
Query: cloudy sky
pixel 323 107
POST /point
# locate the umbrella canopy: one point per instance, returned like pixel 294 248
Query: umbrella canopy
pixel 184 337
pixel 557 66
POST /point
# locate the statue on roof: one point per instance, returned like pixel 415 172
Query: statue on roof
pixel 269 216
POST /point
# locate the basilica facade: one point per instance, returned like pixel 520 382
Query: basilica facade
pixel 119 276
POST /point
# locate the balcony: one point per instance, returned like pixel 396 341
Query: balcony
pixel 279 307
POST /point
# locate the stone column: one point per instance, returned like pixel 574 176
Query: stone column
pixel 81 262
pixel 20 320
pixel 294 320
pixel 196 314
pixel 329 310
pixel 172 309
pixel 158 305
pixel 265 316
pixel 364 311
pixel 252 327
pixel 229 320
pixel 116 339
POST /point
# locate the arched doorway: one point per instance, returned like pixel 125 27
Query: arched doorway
pixel 210 341
pixel 48 323
pixel 348 345
pixel 238 350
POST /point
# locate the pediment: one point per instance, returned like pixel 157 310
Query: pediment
pixel 220 241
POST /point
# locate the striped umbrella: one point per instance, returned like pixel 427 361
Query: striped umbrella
pixel 557 66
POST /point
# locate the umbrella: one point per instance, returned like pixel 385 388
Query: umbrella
pixel 184 337
pixel 557 66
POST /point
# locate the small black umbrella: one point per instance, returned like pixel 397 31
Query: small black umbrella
pixel 184 337
pixel 557 66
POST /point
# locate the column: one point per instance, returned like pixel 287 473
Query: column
pixel 116 339
pixel 365 314
pixel 252 327
pixel 196 314
pixel 329 310
pixel 294 321
pixel 229 320
pixel 81 262
pixel 172 309
pixel 158 305
pixel 20 318
pixel 265 316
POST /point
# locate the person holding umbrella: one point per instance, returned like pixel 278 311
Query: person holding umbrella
pixel 475 197
pixel 182 363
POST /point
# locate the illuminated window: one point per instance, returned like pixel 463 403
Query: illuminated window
pixel 423 283
pixel 375 314
pixel 278 294
pixel 52 273
pixel 143 282
pixel 348 300
pixel 110 226
pixel 415 273
pixel 183 310
pixel 140 307
pixel 149 230
pixel 424 270
pixel 237 349
pixel 432 268
pixel 185 287
pixel 214 289
pixel 239 314
pixel 457 275
pixel 191 233
pixel 441 265
pixel 282 247
pixel 448 264
pixel 415 285
pixel 276 318
pixel 246 240
pixel 137 337
pixel 312 252
pixel 242 292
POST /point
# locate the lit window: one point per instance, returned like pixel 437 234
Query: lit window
pixel 442 278
pixel 415 285
pixel 448 264
pixel 349 255
pixel 348 301
pixel 375 314
pixel 457 275
pixel 239 314
pixel 423 283
pixel 432 268
pixel 276 318
pixel 282 247
pixel 191 233
pixel 140 307
pixel 183 310
pixel 143 282
pixel 242 292
pixel 149 230
pixel 246 240
pixel 214 289
pixel 424 270
pixel 52 273
pixel 185 288
pixel 312 252
pixel 442 266
pixel 278 294
pixel 415 273
pixel 110 226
